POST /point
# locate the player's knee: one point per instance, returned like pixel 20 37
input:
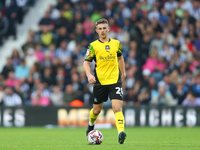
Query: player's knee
pixel 96 111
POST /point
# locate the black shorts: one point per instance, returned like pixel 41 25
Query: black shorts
pixel 102 92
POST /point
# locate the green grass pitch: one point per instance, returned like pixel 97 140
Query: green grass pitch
pixel 75 139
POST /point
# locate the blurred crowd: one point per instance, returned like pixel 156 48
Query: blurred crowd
pixel 160 42
pixel 12 13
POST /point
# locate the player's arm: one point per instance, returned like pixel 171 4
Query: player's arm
pixel 122 67
pixel 121 62
pixel 91 78
pixel 86 65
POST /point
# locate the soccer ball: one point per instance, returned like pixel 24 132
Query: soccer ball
pixel 95 137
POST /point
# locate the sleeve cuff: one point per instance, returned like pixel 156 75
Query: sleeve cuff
pixel 119 54
pixel 88 60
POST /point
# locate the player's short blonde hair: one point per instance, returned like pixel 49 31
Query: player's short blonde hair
pixel 102 21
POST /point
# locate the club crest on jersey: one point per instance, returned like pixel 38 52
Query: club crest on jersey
pixel 107 47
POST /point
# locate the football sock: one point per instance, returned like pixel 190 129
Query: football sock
pixel 119 120
pixel 92 118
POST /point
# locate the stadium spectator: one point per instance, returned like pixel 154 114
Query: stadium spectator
pixel 181 93
pixel 18 91
pixel 7 68
pixel 130 80
pixel 21 4
pixel 186 5
pixel 122 36
pixel 170 5
pixel 22 71
pixel 144 97
pixel 62 52
pixel 69 95
pixel 11 80
pixel 30 58
pixel 109 9
pixel 83 79
pixel 39 100
pixel 15 58
pixel 170 85
pixel 167 36
pixel 3 27
pixel 38 53
pixel 130 97
pixel 11 98
pixel 11 13
pixel 47 62
pixel 54 13
pixel 56 96
pixel 191 100
pixel 162 97
pixel 51 48
pixel 62 35
pixel 77 86
pixel 40 97
pixel 46 37
pixel 47 77
pixel 46 22
pixel 23 88
pixel 157 41
pixel 86 97
pixel 151 62
pixel 29 44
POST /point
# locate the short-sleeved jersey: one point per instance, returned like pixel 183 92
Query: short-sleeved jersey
pixel 105 55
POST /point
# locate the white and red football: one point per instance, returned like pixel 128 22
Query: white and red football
pixel 95 137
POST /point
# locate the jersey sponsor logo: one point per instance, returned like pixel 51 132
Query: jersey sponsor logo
pixel 107 58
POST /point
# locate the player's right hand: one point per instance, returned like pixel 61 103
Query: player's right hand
pixel 91 79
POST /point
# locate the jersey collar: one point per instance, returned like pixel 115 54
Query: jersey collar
pixel 103 42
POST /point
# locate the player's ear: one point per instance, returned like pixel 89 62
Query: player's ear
pixel 108 28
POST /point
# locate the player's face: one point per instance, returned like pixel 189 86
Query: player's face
pixel 102 30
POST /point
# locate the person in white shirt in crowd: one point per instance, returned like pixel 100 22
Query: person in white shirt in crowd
pixel 54 12
pixel 150 2
pixel 170 5
pixel 11 99
pixel 57 96
pixel 167 36
pixel 186 5
pixel 191 100
pixel 125 11
pixel 195 10
pixel 162 97
pixel 122 36
pixel 44 91
pixel 154 14
pixel 30 58
pixel 62 52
